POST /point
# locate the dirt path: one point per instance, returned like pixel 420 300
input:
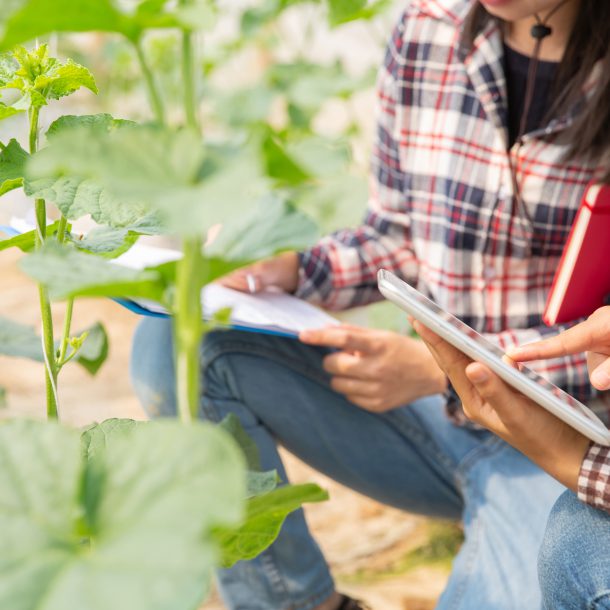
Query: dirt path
pixel 373 550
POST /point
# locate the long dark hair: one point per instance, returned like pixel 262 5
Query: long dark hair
pixel 588 137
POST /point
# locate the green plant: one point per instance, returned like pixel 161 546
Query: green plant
pixel 75 511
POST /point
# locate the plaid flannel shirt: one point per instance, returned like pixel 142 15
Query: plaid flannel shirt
pixel 441 211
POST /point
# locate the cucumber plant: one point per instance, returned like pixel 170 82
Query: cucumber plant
pixel 135 515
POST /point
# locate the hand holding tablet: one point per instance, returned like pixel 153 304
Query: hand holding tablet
pixel 471 343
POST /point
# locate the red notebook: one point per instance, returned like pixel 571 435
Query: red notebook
pixel 582 281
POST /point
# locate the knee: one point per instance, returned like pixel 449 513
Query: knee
pixel 573 563
pixel 152 367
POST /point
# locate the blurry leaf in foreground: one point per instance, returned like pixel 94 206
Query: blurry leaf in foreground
pixel 270 227
pixel 149 512
pixel 94 438
pixel 77 196
pixel 33 18
pixel 12 166
pixel 67 273
pixel 191 186
pixel 259 483
pixel 106 242
pixel 233 426
pixel 3 398
pixel 26 241
pixel 8 111
pixel 103 121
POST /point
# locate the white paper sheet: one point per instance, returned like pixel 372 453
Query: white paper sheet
pixel 265 311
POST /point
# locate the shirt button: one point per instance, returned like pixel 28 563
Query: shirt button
pixel 503 193
pixel 489 273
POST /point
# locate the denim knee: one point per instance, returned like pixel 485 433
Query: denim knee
pixel 152 367
pixel 574 562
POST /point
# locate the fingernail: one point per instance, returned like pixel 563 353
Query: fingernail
pixel 478 375
pixel 601 380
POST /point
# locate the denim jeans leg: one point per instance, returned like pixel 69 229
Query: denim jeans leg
pixel 574 561
pixel 412 458
pixel 508 500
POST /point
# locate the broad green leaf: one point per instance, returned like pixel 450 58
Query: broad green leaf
pixel 40 471
pixel 171 171
pixel 106 242
pixel 336 202
pixel 321 157
pixel 40 77
pixel 68 273
pixel 259 483
pixel 264 517
pixel 94 350
pixel 279 165
pixel 19 341
pixel 12 164
pixel 26 242
pixel 136 536
pixel 22 341
pixel 103 121
pixel 35 18
pixel 77 197
pixel 95 437
pixel 233 427
pixel 64 80
pixel 272 226
pixel 8 111
pixel 341 11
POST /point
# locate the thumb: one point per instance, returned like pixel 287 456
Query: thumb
pixel 600 376
pixel 491 388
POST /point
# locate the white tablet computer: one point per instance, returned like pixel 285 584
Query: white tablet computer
pixel 471 343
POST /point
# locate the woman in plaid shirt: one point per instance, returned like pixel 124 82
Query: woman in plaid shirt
pixel 476 216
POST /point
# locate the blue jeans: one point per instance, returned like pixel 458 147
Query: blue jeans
pixel 412 458
pixel 574 561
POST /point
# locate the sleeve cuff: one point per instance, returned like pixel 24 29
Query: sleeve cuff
pixel 594 477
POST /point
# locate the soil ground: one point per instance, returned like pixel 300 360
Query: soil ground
pixel 392 560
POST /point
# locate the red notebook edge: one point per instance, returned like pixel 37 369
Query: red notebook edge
pixel 594 195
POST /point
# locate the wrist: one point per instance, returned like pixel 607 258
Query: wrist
pixel 565 461
pixel 289 265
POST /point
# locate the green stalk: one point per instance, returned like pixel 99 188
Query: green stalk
pixel 156 100
pixel 65 338
pixel 61 229
pixel 188 329
pixel 188 78
pixel 45 304
pixel 188 325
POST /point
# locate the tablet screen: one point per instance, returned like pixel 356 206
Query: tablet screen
pixel 444 318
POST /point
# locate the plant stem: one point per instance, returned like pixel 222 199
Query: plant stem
pixel 61 229
pixel 188 328
pixel 156 100
pixel 63 347
pixel 188 325
pixel 45 305
pixel 188 78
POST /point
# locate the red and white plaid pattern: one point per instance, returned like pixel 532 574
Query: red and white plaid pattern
pixel 594 479
pixel 442 213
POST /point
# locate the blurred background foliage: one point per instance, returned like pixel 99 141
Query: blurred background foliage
pixel 300 72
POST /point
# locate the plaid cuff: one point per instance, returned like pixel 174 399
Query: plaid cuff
pixel 594 478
